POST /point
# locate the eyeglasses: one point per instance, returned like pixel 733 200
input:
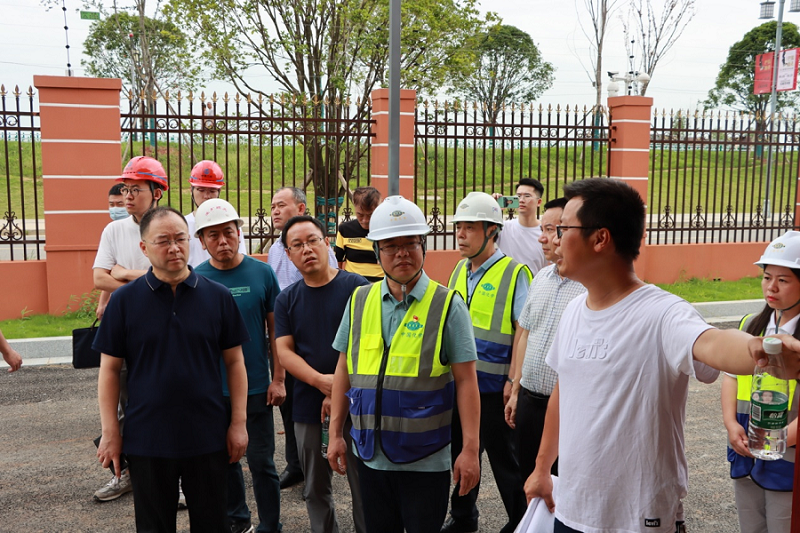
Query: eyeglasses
pixel 133 191
pixel 311 242
pixel 394 249
pixel 180 241
pixel 560 229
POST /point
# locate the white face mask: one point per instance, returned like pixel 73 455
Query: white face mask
pixel 117 213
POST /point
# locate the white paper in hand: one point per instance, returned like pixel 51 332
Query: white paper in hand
pixel 538 518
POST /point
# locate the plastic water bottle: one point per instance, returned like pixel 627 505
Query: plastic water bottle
pixel 325 426
pixel 769 408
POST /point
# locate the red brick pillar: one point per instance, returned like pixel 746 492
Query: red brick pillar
pixel 380 143
pixel 80 126
pixel 629 149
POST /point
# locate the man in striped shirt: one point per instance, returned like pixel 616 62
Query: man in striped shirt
pixel 548 295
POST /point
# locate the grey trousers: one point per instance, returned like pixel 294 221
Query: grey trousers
pixel 318 492
pixel 760 510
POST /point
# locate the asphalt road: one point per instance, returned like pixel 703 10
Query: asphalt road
pixel 48 470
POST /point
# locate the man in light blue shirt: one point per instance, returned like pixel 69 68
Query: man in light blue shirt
pixel 402 413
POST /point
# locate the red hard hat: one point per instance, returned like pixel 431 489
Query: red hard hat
pixel 145 168
pixel 207 174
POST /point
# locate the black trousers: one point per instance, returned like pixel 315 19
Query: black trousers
pixel 155 492
pixel 396 501
pixel 292 459
pixel 531 410
pixel 496 438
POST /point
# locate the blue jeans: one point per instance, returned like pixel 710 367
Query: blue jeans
pixel 260 458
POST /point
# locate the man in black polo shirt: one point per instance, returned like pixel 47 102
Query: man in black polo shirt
pixel 171 327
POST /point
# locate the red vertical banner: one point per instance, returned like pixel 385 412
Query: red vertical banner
pixel 763 78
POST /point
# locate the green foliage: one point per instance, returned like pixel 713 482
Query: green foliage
pixel 697 290
pixel 83 307
pixel 114 46
pixel 505 66
pixel 734 86
pixel 34 326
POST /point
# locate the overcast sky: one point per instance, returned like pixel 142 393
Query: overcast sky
pixel 32 41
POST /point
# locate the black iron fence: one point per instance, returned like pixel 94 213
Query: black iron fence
pixel 714 177
pixel 21 205
pixel 721 177
pixel 458 150
pixel 262 144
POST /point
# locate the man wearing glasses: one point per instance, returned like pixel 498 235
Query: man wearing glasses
pixel 288 202
pixel 407 355
pixel 624 352
pixel 548 295
pixel 173 329
pixel 307 314
pixel 120 260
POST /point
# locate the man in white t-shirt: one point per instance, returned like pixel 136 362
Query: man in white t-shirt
pixel 288 202
pixel 520 237
pixel 120 260
pixel 206 180
pixel 624 353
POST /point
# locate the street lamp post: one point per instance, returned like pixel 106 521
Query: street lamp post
pixel 767 12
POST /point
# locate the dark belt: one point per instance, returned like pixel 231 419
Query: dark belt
pixel 533 395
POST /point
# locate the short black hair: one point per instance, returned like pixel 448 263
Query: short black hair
pixel 614 205
pixel 157 212
pixel 556 203
pixel 530 182
pixel 366 197
pixel 116 190
pixel 296 220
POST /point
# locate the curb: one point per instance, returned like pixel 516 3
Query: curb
pixel 58 350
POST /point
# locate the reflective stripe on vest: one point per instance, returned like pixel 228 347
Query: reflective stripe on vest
pixel 401 396
pixel 490 309
pixel 769 475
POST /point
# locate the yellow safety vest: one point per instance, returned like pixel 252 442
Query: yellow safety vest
pixel 401 395
pixel 490 309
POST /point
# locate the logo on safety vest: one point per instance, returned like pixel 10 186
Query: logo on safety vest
pixel 488 287
pixel 414 324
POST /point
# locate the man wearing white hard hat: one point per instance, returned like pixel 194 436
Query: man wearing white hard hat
pixel 407 356
pixel 254 288
pixel 494 287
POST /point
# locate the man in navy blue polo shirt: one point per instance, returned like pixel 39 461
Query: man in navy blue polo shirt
pixel 171 327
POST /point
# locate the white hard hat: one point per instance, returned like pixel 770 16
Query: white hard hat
pixel 397 217
pixel 215 211
pixel 783 251
pixel 478 207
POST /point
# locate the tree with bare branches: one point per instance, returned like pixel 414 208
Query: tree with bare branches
pixel 652 33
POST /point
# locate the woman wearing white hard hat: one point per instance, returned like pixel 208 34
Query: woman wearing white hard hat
pixel 763 489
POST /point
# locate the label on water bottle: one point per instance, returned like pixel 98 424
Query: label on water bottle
pixel 769 409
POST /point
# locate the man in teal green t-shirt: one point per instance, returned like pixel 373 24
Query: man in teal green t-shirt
pixel 254 288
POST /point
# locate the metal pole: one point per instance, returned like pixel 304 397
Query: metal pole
pixel 773 103
pixel 394 97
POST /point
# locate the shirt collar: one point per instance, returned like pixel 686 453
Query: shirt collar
pixel 494 258
pixel 154 283
pixel 416 293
